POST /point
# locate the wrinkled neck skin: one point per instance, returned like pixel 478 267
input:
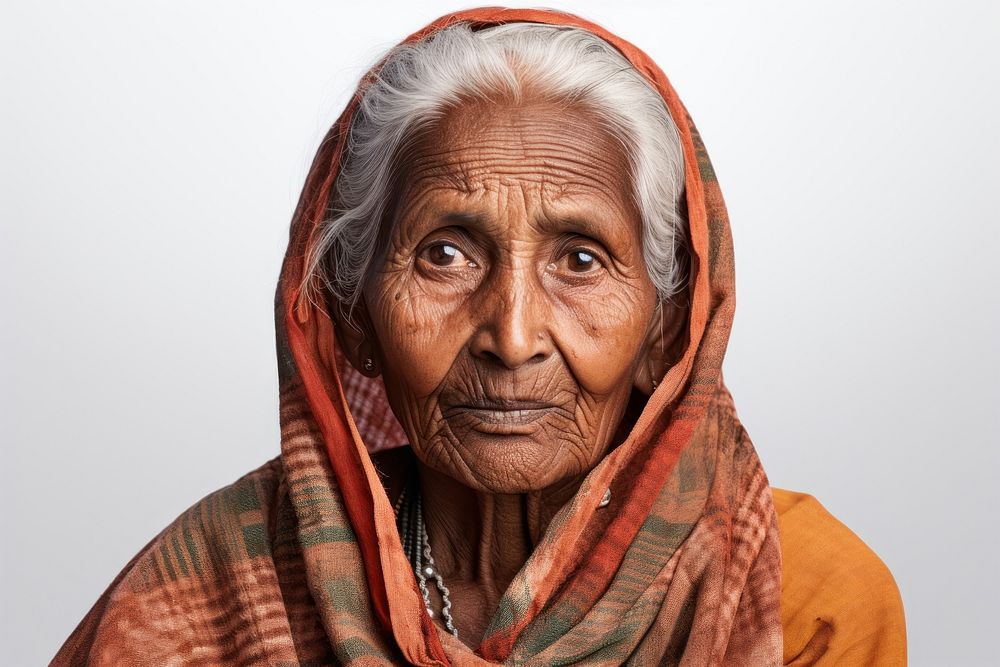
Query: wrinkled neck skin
pixel 481 540
pixel 482 537
pixel 485 538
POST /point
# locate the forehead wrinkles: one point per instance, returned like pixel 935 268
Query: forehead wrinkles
pixel 480 147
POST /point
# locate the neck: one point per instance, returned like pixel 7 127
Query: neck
pixel 481 540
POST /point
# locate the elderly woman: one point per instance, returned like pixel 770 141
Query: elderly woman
pixel 505 436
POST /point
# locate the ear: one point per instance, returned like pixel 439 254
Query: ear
pixel 665 342
pixel 355 335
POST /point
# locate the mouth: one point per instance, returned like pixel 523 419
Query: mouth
pixel 503 417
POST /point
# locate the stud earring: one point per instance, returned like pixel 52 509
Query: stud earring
pixel 369 364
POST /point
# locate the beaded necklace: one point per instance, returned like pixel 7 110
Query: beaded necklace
pixel 417 547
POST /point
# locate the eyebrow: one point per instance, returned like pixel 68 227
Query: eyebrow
pixel 576 224
pixel 459 218
pixel 570 223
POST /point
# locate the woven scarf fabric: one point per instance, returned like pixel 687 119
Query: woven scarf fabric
pixel 299 561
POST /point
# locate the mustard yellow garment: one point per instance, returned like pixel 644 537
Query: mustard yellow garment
pixel 839 602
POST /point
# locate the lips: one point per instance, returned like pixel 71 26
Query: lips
pixel 503 415
pixel 510 417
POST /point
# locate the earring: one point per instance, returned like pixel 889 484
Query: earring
pixel 369 364
pixel 655 383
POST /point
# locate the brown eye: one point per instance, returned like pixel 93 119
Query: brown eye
pixel 443 254
pixel 447 254
pixel 581 261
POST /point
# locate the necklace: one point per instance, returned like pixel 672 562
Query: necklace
pixel 417 547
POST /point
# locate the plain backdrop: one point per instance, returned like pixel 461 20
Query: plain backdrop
pixel 152 154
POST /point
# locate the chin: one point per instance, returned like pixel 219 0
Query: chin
pixel 515 464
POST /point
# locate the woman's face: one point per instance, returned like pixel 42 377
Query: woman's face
pixel 513 308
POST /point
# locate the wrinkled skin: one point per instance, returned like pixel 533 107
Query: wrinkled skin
pixel 511 317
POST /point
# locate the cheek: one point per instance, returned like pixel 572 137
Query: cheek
pixel 419 333
pixel 601 337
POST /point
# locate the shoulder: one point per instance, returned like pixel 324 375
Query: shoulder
pixel 839 602
pixel 212 561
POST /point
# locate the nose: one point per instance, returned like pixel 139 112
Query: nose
pixel 514 319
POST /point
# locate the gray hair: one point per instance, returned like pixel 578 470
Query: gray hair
pixel 421 81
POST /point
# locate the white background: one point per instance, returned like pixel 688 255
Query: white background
pixel 152 155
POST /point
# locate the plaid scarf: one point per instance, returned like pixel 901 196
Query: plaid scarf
pixel 299 561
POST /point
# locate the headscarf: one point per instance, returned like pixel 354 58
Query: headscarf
pixel 300 561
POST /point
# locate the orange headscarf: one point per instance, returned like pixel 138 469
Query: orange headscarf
pixel 582 552
pixel 300 560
